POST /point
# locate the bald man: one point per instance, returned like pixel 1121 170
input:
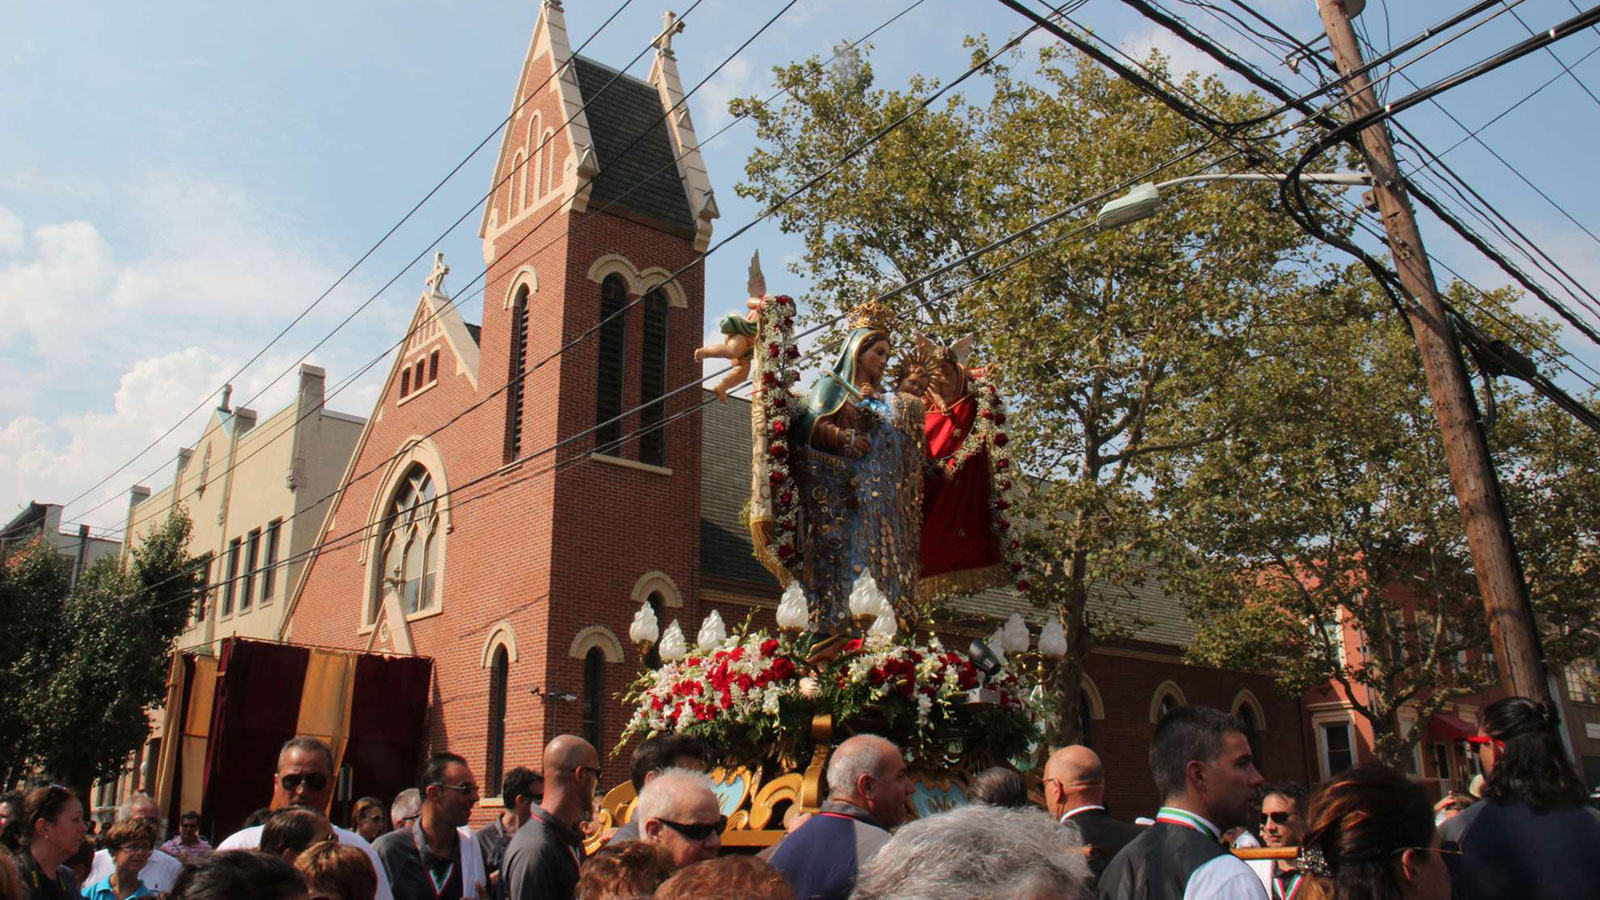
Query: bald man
pixel 543 857
pixel 1074 786
pixel 867 790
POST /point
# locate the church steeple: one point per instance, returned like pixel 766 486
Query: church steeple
pixel 685 145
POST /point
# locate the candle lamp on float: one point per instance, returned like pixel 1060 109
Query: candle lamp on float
pixel 645 630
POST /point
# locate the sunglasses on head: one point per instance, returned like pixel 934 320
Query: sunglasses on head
pixel 1280 818
pixel 697 831
pixel 314 781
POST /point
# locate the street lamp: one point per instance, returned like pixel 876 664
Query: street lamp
pixel 1142 201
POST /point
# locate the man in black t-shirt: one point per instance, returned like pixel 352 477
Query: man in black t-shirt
pixel 543 857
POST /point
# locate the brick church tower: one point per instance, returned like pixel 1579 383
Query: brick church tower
pixel 513 544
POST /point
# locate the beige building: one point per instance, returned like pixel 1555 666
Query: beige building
pixel 256 493
pixel 42 521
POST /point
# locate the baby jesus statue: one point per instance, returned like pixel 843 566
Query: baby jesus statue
pixel 740 333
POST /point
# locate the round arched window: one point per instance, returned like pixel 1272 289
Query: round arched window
pixel 410 544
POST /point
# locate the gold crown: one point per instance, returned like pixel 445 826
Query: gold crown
pixel 872 314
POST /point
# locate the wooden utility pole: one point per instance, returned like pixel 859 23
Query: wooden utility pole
pixel 1494 556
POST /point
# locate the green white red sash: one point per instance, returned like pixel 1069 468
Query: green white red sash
pixel 1169 815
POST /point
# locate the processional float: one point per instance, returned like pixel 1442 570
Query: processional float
pixel 877 495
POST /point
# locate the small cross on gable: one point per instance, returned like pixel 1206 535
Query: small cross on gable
pixel 435 280
pixel 670 25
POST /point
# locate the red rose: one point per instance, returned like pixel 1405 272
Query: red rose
pixel 769 379
pixel 744 681
pixel 788 322
pixel 785 550
pixel 988 414
pixel 786 498
pixel 1015 568
pixel 853 646
pixel 780 427
pixel 769 647
pixel 1003 525
pixel 777 477
pixel 656 703
pixel 999 418
pixel 1024 586
pixel 736 654
pixel 1002 504
pixel 794 352
pixel 875 676
pixel 778 450
pixel 1002 464
pixel 783 300
pixel 778 399
pixel 1000 439
pixel 783 667
pixel 785 525
pixel 773 349
pixel 1013 544
pixel 1005 484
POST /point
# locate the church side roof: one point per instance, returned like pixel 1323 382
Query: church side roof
pixel 618 115
pixel 725 551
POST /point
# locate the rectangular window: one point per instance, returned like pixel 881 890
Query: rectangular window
pixel 230 586
pixel 1581 682
pixel 514 377
pixel 1338 748
pixel 433 367
pixel 405 382
pixel 1441 762
pixel 269 565
pixel 252 556
pixel 152 763
pixel 608 386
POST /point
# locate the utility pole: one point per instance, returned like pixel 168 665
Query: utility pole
pixel 1494 556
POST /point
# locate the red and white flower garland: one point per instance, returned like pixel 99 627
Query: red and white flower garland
pixel 778 404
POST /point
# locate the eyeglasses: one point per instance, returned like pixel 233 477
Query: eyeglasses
pixel 464 788
pixel 1280 818
pixel 697 831
pixel 134 848
pixel 314 781
pixel 582 769
pixel 188 826
pixel 372 817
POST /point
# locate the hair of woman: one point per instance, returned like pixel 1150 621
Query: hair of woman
pixel 1357 826
pixel 43 805
pixel 1532 765
pixel 340 870
pixel 628 869
pixel 238 875
pixel 727 876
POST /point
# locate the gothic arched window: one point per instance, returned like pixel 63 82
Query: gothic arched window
pixel 494 755
pixel 515 384
pixel 608 386
pixel 409 547
pixel 653 381
pixel 594 677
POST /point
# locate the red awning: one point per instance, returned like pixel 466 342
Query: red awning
pixel 1443 726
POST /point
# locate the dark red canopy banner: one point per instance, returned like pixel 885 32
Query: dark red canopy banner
pixel 388 725
pixel 256 709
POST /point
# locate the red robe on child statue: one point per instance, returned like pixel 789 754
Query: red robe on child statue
pixel 960 552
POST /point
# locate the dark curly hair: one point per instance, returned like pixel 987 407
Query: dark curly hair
pixel 1532 766
pixel 1359 822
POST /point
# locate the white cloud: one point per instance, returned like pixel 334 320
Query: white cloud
pixel 735 80
pixel 64 280
pixel 1182 57
pixel 10 231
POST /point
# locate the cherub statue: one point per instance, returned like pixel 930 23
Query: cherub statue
pixel 740 332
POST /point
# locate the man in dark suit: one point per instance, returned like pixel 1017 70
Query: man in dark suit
pixel 1074 785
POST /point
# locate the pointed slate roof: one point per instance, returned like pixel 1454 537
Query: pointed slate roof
pixel 644 178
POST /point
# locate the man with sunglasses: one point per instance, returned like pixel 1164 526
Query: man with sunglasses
pixel 679 812
pixel 305 778
pixel 1074 791
pixel 436 857
pixel 1283 824
pixel 543 857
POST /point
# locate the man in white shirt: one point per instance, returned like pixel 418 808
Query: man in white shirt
pixel 1202 764
pixel 161 872
pixel 305 778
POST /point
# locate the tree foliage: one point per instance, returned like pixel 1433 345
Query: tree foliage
pixel 1116 348
pixel 86 663
pixel 1324 544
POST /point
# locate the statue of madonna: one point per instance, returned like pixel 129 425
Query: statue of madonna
pixel 860 478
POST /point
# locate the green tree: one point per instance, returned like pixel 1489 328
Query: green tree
pixel 1115 349
pixel 88 662
pixel 1324 545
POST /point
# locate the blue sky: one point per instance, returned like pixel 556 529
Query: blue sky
pixel 179 180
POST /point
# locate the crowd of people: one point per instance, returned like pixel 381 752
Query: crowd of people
pixel 1367 834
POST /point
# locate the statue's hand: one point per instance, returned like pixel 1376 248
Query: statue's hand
pixel 861 445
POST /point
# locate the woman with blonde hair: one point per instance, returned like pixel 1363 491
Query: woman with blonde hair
pixel 338 872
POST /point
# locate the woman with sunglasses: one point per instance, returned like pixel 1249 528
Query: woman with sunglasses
pixel 52 831
pixel 1370 836
pixel 1531 836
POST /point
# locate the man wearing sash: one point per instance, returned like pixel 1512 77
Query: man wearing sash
pixel 1202 764
pixel 1283 824
pixel 435 857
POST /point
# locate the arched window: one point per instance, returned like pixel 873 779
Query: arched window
pixel 1168 704
pixel 549 157
pixel 608 386
pixel 653 381
pixel 410 544
pixel 1085 720
pixel 514 377
pixel 519 180
pixel 1252 729
pixel 494 755
pixel 652 660
pixel 594 678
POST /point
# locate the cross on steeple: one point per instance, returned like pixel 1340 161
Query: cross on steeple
pixel 435 280
pixel 670 25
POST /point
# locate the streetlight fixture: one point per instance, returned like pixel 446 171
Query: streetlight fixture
pixel 1142 201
